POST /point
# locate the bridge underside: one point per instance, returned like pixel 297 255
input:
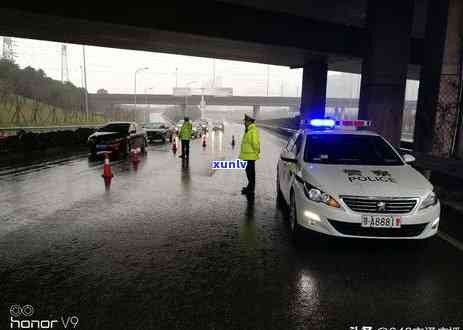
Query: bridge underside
pixel 186 30
pixel 387 42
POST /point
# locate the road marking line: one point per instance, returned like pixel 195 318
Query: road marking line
pixel 451 240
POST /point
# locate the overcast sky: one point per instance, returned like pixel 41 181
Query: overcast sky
pixel 113 69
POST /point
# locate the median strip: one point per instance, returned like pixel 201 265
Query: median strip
pixel 451 240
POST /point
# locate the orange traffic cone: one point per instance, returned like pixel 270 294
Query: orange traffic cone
pixel 233 141
pixel 107 173
pixel 174 146
pixel 135 158
pixel 204 141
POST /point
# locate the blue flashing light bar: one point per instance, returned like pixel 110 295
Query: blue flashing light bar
pixel 322 123
pixel 329 123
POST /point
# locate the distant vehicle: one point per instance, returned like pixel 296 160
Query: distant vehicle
pixel 197 130
pixel 204 125
pixel 218 125
pixel 117 137
pixel 157 131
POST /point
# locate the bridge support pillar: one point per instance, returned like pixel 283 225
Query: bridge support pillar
pixel 385 65
pixel 146 116
pixel 293 109
pixel 438 94
pixel 339 113
pixel 313 98
pixel 255 111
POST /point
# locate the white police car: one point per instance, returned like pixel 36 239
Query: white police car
pixel 353 183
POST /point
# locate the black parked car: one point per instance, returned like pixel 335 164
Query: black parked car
pixel 157 131
pixel 117 137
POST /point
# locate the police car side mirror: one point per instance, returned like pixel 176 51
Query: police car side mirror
pixel 288 157
pixel 408 158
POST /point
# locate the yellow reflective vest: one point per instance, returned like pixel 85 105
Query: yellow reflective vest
pixel 185 131
pixel 250 144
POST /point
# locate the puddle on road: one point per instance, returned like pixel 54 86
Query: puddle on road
pixel 210 170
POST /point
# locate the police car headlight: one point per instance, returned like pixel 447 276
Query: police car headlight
pixel 430 200
pixel 316 195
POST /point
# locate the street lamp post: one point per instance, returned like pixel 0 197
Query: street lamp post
pixel 135 85
pixel 85 82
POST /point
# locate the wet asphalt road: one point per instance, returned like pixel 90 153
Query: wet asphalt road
pixel 176 247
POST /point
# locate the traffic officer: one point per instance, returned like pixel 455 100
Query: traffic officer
pixel 185 137
pixel 250 151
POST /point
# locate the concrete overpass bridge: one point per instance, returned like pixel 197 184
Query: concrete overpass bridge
pixel 107 102
pixel 386 41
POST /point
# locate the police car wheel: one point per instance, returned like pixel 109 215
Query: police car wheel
pixel 296 230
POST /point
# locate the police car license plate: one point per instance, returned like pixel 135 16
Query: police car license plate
pixel 381 221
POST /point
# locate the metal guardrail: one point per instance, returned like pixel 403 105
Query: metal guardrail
pixel 47 128
pixel 406 140
pixel 289 130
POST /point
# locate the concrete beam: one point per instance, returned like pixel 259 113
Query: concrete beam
pixel 313 97
pixel 101 101
pixel 179 27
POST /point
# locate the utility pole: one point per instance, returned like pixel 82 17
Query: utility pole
pixel 268 78
pixel 202 104
pixel 186 98
pixel 176 77
pixel 135 85
pixel 82 85
pixel 64 64
pixel 85 83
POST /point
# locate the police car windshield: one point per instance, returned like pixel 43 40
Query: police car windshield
pixel 349 149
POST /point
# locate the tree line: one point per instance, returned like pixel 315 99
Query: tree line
pixel 35 84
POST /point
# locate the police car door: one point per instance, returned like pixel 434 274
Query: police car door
pixel 283 170
pixel 289 168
